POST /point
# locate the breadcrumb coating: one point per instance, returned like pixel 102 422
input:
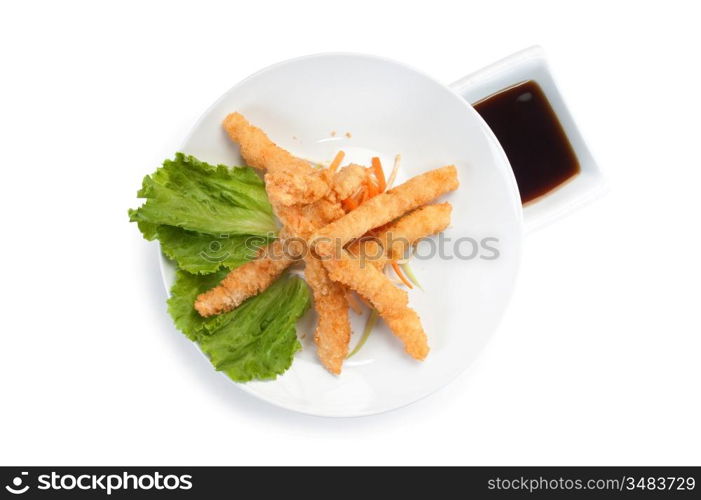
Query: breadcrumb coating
pixel 391 302
pixel 384 208
pixel 332 334
pixel 304 202
pixel 393 241
pixel 245 281
pixel 287 189
pixel 307 201
pixel 260 152
pixel 397 237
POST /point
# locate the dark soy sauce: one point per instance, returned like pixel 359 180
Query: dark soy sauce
pixel 530 133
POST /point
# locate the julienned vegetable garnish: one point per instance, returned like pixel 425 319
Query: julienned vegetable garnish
pixel 395 170
pixel 217 224
pixel 410 274
pixel 379 174
pixel 400 274
pixel 369 325
pixel 337 161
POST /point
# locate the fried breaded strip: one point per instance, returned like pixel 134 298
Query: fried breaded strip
pixel 395 238
pixel 258 150
pixel 384 208
pixel 320 213
pixel 369 250
pixel 332 334
pixel 302 200
pixel 245 281
pixel 254 277
pixel 286 188
pixel 392 243
pixel 307 185
pixel 391 302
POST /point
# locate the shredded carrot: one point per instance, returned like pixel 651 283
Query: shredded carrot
pixel 372 189
pixel 337 161
pixel 349 204
pixel 358 197
pixel 410 274
pixel 377 169
pixel 399 273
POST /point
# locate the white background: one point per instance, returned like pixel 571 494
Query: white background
pixel 596 362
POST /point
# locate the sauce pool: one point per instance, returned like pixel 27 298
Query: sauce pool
pixel 528 129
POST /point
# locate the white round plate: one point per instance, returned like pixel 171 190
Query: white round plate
pixel 316 105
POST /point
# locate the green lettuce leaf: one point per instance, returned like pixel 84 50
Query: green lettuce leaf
pixel 182 297
pixel 203 198
pixel 257 340
pixel 199 253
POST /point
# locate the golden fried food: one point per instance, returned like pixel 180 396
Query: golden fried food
pixel 304 202
pixel 308 202
pixel 320 213
pixel 392 242
pixel 294 220
pixel 384 208
pixel 369 249
pixel 300 221
pixel 391 302
pixel 285 188
pixel 397 237
pixel 245 281
pixel 260 152
pixel 332 334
